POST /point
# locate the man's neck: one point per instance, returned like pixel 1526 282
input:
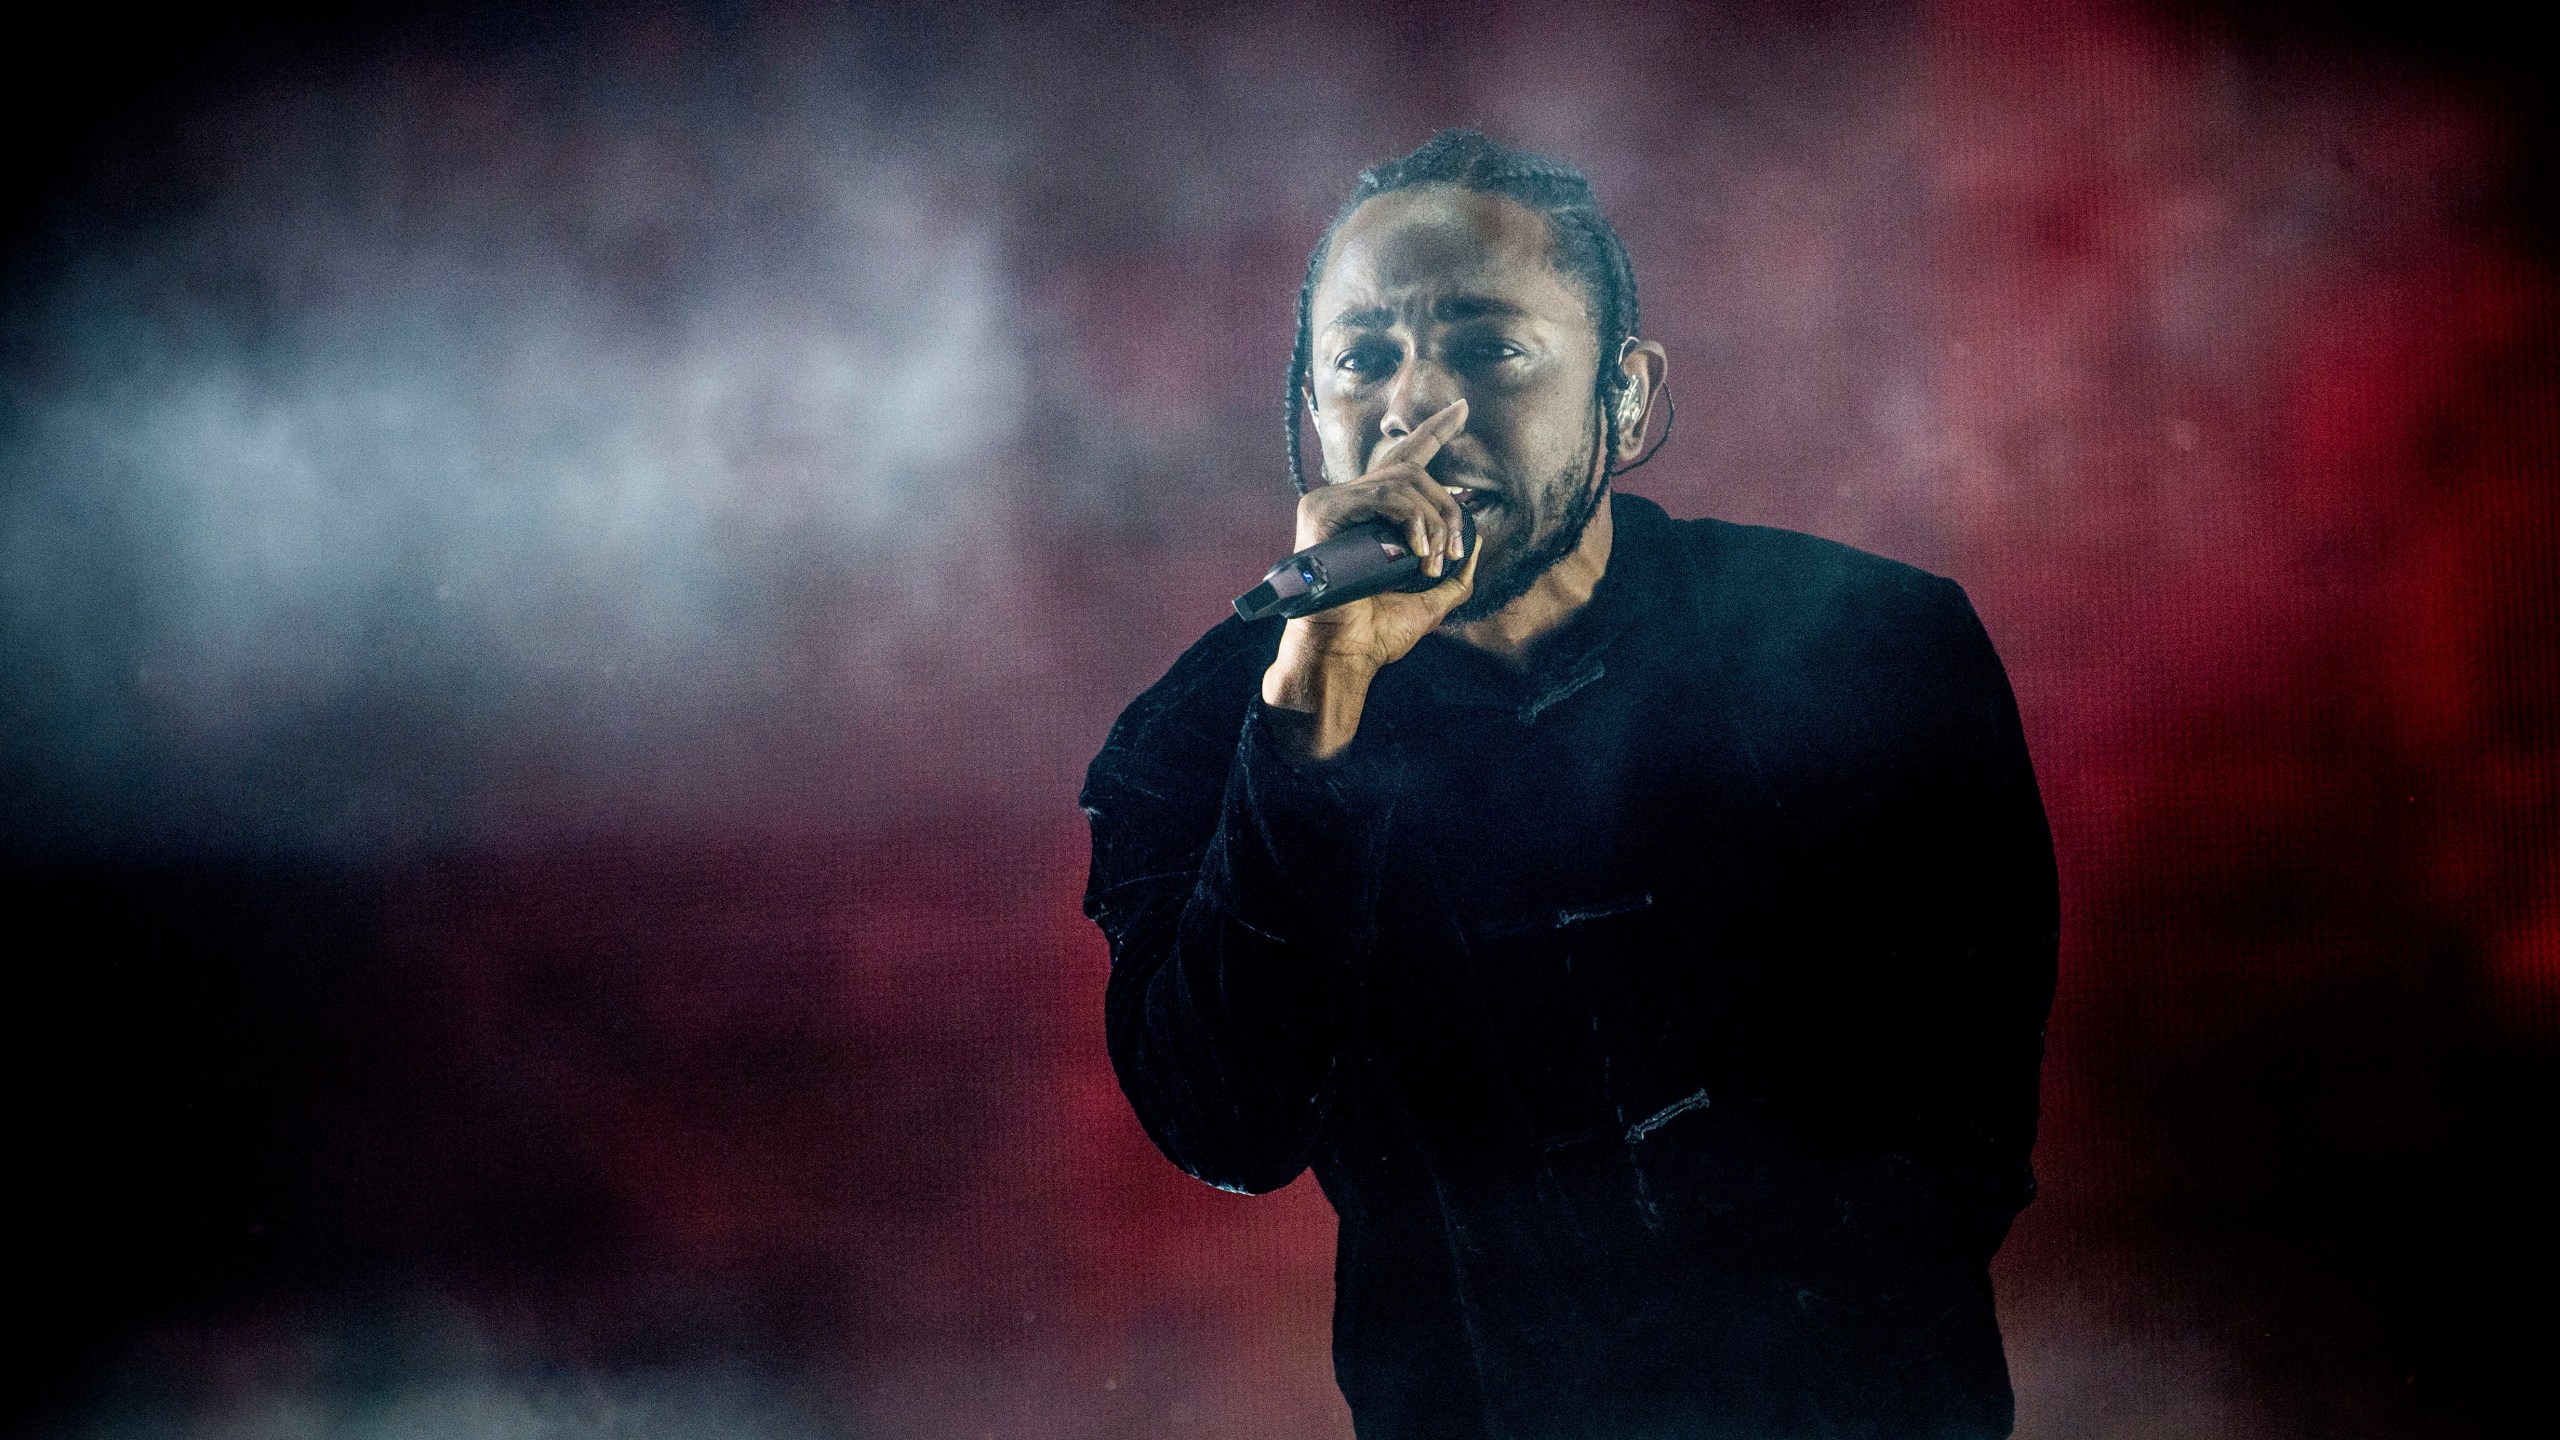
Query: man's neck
pixel 1512 632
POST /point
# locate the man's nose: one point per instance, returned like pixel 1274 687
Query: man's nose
pixel 1422 388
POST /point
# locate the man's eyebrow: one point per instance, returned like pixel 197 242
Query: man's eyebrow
pixel 1453 308
pixel 1476 307
pixel 1373 317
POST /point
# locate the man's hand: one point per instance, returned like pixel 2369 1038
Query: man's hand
pixel 1319 683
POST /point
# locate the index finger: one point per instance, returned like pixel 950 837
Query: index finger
pixel 1418 445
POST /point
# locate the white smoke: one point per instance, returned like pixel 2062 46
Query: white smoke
pixel 427 1371
pixel 427 432
pixel 572 1407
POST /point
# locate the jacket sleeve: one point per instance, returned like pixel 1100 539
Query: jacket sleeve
pixel 1235 888
pixel 1942 1031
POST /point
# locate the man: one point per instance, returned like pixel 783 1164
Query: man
pixel 1646 934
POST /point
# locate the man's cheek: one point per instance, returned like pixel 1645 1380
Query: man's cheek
pixel 1500 529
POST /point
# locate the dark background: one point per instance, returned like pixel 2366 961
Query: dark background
pixel 560 574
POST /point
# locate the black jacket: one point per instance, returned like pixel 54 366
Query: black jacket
pixel 1662 1023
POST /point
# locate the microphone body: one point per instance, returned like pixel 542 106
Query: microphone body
pixel 1367 559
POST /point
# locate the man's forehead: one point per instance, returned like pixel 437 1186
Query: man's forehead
pixel 1461 253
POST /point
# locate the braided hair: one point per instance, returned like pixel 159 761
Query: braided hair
pixel 1581 245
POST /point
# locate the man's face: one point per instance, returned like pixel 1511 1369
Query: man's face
pixel 1437 294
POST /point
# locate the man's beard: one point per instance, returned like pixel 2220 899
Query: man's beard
pixel 1499 582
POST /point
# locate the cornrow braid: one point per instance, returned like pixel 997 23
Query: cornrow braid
pixel 1582 245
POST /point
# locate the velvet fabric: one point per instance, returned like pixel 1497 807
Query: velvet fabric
pixel 1662 1020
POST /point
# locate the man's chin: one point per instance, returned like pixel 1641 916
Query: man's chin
pixel 1512 565
pixel 1497 585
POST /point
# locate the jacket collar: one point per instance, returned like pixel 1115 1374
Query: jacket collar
pixel 1642 573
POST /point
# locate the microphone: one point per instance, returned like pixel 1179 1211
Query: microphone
pixel 1367 559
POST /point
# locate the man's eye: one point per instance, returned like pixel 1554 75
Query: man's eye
pixel 1483 353
pixel 1364 362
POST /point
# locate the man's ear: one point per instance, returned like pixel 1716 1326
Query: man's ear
pixel 1645 364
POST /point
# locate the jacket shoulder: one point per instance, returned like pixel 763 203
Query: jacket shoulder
pixel 1194 710
pixel 1764 573
pixel 1804 628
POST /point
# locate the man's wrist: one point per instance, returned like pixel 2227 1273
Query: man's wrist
pixel 1315 701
